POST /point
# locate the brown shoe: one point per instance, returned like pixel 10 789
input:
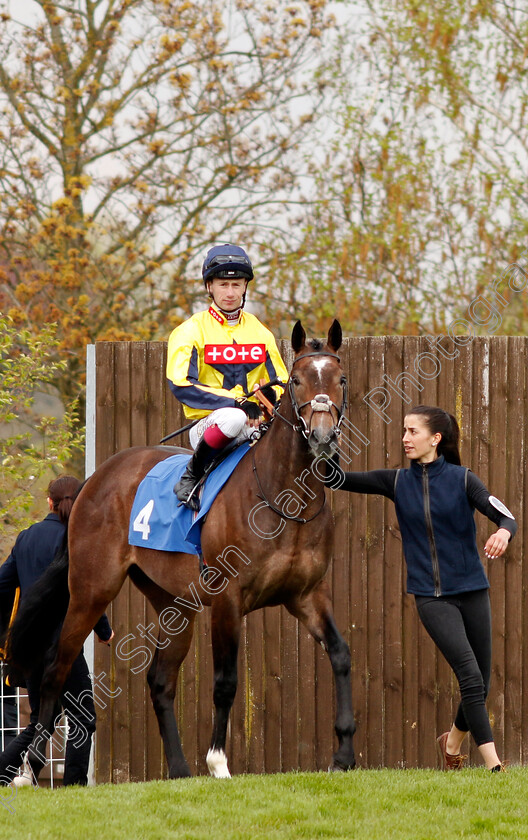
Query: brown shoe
pixel 448 761
pixel 499 768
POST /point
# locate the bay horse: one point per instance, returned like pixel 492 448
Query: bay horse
pixel 270 525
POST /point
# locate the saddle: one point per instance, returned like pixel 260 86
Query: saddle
pixel 158 521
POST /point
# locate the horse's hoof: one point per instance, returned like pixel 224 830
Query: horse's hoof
pixel 27 777
pixel 217 764
pixel 180 773
pixel 339 767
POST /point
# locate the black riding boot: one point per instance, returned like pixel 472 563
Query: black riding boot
pixel 202 456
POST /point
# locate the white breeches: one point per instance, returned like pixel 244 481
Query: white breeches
pixel 232 422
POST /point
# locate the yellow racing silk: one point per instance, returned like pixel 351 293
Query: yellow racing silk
pixel 211 363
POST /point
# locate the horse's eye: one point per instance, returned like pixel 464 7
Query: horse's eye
pixel 343 381
pixel 295 380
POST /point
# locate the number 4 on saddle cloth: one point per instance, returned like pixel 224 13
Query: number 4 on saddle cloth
pixel 159 521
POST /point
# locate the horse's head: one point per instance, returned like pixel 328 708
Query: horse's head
pixel 318 388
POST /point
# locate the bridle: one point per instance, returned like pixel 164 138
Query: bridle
pixel 320 402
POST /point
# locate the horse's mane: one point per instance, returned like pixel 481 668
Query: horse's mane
pixel 316 344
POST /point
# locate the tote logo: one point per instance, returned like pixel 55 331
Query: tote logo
pixel 234 354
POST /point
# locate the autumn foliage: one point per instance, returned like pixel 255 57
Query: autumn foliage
pixel 135 133
pixel 373 166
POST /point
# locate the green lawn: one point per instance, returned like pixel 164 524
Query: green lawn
pixel 370 804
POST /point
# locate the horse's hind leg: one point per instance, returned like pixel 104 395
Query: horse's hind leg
pixel 162 678
pixel 315 612
pixel 225 624
pixel 162 675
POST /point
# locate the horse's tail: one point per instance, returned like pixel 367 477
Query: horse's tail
pixel 35 630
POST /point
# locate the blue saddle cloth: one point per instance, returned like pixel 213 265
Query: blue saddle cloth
pixel 157 519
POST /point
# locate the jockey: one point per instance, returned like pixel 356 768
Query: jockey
pixel 215 358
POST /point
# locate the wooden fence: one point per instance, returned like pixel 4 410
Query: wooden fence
pixel 404 694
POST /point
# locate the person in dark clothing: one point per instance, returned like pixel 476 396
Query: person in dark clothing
pixel 435 501
pixel 34 550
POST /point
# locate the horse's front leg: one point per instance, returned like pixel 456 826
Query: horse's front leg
pixel 49 711
pixel 225 626
pixel 77 625
pixel 53 680
pixel 315 612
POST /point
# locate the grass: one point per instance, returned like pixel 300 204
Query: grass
pixel 370 804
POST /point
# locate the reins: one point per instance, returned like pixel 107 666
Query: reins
pixel 320 402
pixel 262 497
pixel 269 406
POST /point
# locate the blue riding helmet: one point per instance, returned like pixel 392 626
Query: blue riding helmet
pixel 227 261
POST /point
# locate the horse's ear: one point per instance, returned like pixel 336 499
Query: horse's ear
pixel 335 336
pixel 298 338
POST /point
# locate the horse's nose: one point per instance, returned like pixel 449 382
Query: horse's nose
pixel 322 436
pixel 323 442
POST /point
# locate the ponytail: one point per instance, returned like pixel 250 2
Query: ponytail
pixel 62 491
pixel 440 422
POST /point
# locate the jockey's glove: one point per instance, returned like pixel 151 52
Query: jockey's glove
pixel 252 410
pixel 268 392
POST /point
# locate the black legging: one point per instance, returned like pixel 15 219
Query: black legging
pixel 460 626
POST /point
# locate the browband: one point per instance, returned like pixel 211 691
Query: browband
pixel 317 353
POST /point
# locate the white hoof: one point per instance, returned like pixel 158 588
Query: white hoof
pixel 217 764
